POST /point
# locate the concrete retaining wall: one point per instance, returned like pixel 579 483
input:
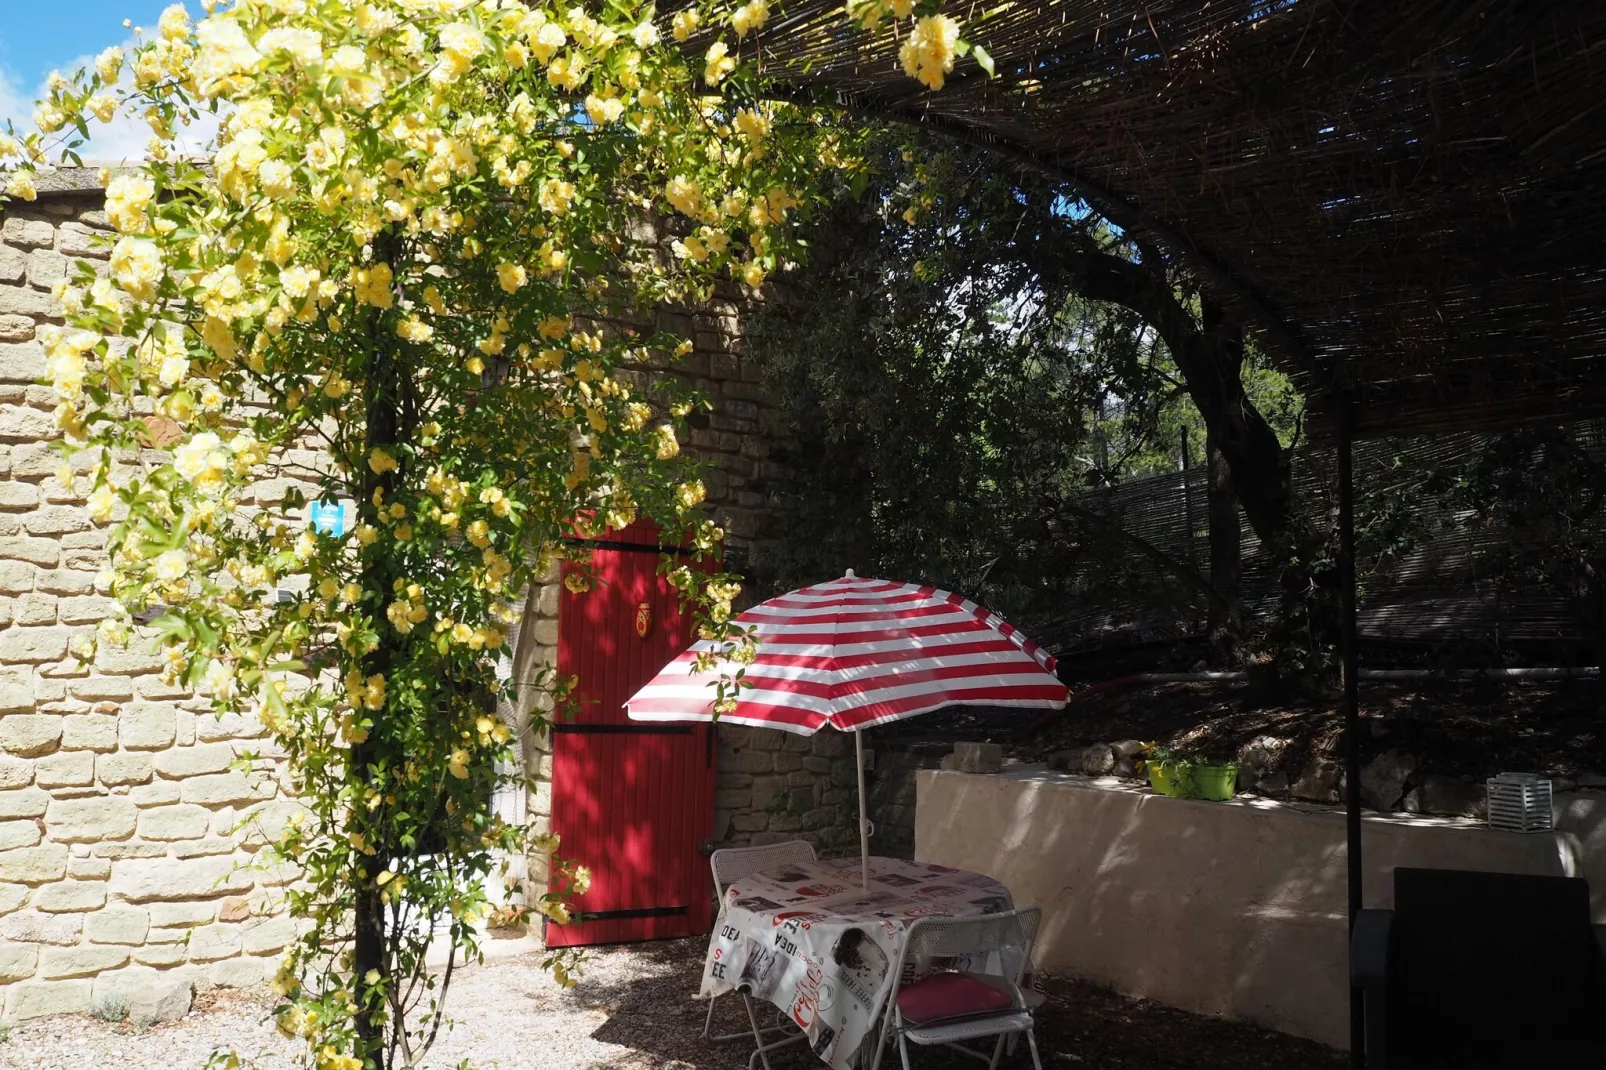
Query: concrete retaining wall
pixel 1234 909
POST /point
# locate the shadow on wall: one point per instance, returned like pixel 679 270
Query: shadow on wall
pixel 890 798
pixel 776 786
pixel 1235 909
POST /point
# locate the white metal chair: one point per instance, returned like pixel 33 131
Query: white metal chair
pixel 731 864
pixel 971 988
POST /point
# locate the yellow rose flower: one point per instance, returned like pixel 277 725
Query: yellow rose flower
pixel 753 124
pixel 372 285
pixel 174 24
pixel 136 264
pixel 717 64
pixel 348 59
pixel 103 106
pixel 202 460
pixel 691 249
pixel 566 73
pixel 556 195
pixel 302 45
pixel 102 502
pixel 109 65
pixel 548 39
pixel 511 277
pixel 413 329
pixel 276 178
pixel 380 462
pixel 750 16
pixel 461 45
pixel 604 110
pixel 927 54
pixel 686 195
pixel 692 494
pixel 636 416
pixel 171 565
pixel 223 51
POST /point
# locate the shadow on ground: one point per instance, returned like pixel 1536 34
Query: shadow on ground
pixel 655 1018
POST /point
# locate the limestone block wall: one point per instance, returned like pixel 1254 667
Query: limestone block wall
pixel 776 786
pixel 535 647
pixel 129 814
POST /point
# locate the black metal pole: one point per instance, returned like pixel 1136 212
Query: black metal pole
pixel 1187 499
pixel 1352 715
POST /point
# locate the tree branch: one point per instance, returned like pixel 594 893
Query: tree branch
pixel 1210 357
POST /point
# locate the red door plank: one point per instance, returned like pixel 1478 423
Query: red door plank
pixel 633 801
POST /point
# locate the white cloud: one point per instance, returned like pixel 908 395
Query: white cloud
pixel 123 140
pixel 14 103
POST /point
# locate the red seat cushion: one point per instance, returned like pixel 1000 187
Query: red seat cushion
pixel 946 996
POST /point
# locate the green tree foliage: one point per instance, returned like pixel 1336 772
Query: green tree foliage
pixel 1535 498
pixel 954 397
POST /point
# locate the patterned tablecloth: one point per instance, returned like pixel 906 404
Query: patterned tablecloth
pixel 810 940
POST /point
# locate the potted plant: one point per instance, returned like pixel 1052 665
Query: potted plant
pixel 1217 781
pixel 1183 775
pixel 1170 772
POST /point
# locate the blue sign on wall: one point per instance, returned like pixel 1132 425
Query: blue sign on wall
pixel 328 518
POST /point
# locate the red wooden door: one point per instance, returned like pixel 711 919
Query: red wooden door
pixel 632 800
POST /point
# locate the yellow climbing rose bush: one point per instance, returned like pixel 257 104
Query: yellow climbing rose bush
pixel 403 271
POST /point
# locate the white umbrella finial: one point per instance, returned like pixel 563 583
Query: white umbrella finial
pixel 848 575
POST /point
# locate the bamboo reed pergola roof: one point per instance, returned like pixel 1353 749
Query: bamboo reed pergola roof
pixel 1405 202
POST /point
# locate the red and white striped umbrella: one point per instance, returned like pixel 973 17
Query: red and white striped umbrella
pixel 853 653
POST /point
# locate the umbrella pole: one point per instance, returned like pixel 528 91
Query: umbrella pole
pixel 864 817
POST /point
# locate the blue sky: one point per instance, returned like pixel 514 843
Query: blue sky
pixel 39 36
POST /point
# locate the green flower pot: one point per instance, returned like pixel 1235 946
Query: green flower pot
pixel 1170 778
pixel 1216 782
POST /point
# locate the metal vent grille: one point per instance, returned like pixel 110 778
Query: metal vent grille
pixel 1520 802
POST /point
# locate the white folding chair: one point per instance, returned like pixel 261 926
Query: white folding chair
pixel 731 864
pixel 980 996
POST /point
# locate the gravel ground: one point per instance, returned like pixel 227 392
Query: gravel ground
pixel 633 1010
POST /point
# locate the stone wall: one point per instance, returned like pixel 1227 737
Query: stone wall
pixel 130 815
pixel 776 786
pixel 534 646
